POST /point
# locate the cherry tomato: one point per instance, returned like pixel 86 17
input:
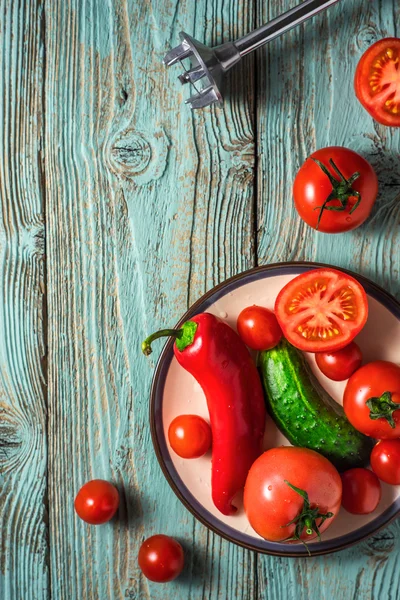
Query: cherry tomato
pixel 97 501
pixel 271 503
pixel 321 310
pixel 339 365
pixel 361 491
pixel 161 558
pixel 377 81
pixel 335 190
pixel 189 436
pixel 371 400
pixel 259 328
pixel 385 461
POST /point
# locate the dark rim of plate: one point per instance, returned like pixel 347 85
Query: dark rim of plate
pixel 161 448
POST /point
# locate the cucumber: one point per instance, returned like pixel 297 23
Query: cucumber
pixel 304 411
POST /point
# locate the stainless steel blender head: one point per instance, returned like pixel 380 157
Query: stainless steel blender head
pixel 207 66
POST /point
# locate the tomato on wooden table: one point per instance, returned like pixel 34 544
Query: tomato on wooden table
pixel 97 501
pixel 339 365
pixel 161 558
pixel 321 310
pixel 361 491
pixel 276 510
pixel 335 190
pixel 385 461
pixel 258 327
pixel 377 81
pixel 189 436
pixel 371 400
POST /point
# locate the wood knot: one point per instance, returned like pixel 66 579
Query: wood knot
pixel 31 237
pixel 133 153
pixel 366 37
pixel 21 436
pixel 131 593
pixel 10 440
pixel 139 156
pixel 382 543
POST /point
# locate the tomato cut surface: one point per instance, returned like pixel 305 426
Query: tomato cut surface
pixel 377 81
pixel 321 310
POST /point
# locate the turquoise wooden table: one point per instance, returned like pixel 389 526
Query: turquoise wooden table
pixel 119 208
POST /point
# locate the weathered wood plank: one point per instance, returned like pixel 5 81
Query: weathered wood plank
pixel 23 436
pixel 91 420
pixel 306 101
pixel 143 198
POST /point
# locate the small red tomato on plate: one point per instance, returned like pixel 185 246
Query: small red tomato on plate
pixel 371 400
pixel 377 81
pixel 97 501
pixel 361 491
pixel 258 327
pixel 385 461
pixel 335 190
pixel 339 365
pixel 189 436
pixel 161 558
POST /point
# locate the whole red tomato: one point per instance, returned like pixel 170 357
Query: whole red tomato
pixel 361 491
pixel 335 190
pixel 321 310
pixel 339 365
pixel 189 436
pixel 258 328
pixel 161 558
pixel 385 461
pixel 371 400
pixel 97 501
pixel 271 503
pixel 377 81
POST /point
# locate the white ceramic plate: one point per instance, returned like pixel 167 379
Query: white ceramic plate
pixel 175 392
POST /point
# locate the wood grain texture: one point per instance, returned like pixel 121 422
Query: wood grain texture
pixel 305 102
pixel 148 206
pixel 23 439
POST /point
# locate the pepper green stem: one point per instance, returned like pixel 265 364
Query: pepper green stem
pixel 146 345
pixel 383 407
pixel 184 337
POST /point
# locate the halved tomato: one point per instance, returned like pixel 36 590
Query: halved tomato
pixel 377 81
pixel 321 310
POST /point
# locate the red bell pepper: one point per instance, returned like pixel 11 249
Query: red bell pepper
pixel 214 354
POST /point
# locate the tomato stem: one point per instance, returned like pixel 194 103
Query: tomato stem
pixel 306 519
pixel 383 407
pixel 342 190
pixel 309 525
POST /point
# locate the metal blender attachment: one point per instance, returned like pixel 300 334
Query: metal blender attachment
pixel 209 65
